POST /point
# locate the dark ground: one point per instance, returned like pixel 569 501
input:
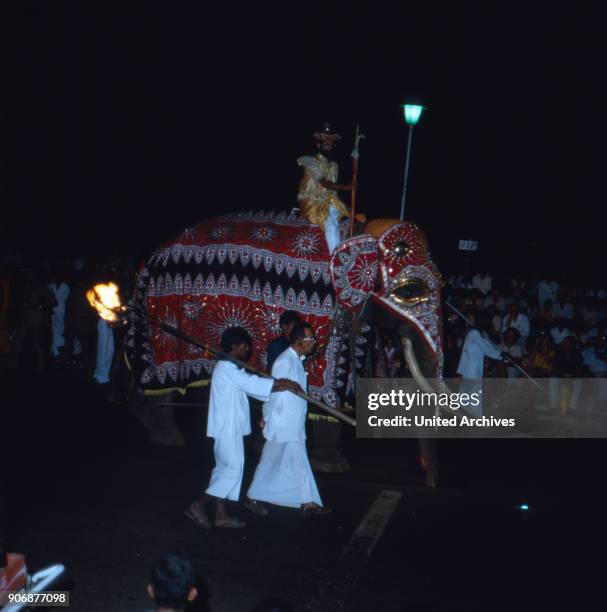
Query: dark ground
pixel 84 488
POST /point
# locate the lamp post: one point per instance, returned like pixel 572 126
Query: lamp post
pixel 412 114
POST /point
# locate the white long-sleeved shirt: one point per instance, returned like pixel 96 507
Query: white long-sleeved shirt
pixel 285 413
pixel 229 412
pixel 474 351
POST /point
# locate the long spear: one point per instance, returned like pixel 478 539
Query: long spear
pixel 112 310
pixel 355 156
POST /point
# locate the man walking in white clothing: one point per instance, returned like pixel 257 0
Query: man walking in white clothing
pixel 228 421
pixel 284 476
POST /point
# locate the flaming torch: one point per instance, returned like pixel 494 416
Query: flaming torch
pixel 105 299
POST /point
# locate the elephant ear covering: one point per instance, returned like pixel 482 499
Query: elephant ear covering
pixel 354 268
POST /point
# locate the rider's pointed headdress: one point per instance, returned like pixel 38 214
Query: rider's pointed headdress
pixel 326 133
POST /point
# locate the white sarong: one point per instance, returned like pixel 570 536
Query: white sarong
pixel 226 478
pixel 284 476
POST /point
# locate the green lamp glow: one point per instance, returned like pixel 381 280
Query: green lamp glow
pixel 412 113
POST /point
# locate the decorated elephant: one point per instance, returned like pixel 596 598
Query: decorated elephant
pixel 247 268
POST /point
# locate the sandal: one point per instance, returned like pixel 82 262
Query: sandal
pixel 231 521
pixel 255 507
pixel 202 520
pixel 316 511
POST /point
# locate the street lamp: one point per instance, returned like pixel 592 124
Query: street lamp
pixel 412 114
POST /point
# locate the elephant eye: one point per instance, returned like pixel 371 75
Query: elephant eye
pixel 411 292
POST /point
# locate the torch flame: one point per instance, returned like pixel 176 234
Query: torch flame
pixel 104 298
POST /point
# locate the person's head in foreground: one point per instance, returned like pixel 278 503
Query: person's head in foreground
pixel 172 584
pixel 303 340
pixel 236 342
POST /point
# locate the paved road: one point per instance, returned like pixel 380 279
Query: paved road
pixel 94 495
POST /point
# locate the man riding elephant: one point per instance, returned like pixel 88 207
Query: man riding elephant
pixel 318 188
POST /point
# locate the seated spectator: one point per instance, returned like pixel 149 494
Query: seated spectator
pixel 595 358
pixel 496 323
pixel 483 282
pixel 456 281
pixel 563 308
pixel 560 331
pixel 547 290
pixel 512 348
pixel 532 307
pixel 172 584
pixel 478 299
pixel 568 359
pixel 590 312
pixel 543 321
pixel 541 359
pixel 515 318
pixel 495 299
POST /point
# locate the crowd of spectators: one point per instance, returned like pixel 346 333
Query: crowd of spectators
pixel 551 329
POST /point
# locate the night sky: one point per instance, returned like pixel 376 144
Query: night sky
pixel 127 122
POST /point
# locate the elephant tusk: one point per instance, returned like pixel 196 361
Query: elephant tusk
pixel 414 366
pixel 421 380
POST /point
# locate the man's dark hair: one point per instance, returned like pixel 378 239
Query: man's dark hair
pixel 172 579
pixel 233 336
pixel 288 316
pixel 515 332
pixel 483 320
pixel 299 332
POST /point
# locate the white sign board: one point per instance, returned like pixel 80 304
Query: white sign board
pixel 468 245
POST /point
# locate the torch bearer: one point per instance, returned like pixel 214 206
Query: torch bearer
pixel 105 299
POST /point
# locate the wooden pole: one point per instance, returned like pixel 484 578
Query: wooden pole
pixel 353 194
pixel 241 364
pixel 355 156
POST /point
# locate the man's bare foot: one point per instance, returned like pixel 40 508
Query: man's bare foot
pixel 229 521
pixel 196 513
pixel 311 508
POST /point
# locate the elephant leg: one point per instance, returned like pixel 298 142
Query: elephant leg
pixel 325 445
pixel 160 420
